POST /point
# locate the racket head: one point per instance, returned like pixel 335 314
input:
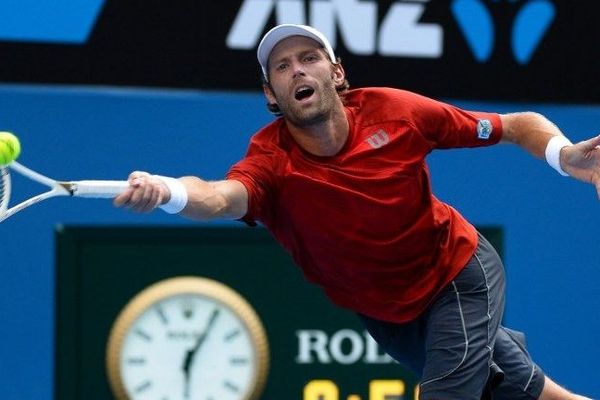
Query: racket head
pixel 6 209
pixel 85 188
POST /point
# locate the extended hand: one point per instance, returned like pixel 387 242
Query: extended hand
pixel 146 192
pixel 582 161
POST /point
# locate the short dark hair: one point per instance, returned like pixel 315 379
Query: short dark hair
pixel 274 108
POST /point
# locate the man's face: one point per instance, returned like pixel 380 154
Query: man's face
pixel 302 81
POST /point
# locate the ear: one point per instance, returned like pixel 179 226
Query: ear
pixel 338 74
pixel 269 93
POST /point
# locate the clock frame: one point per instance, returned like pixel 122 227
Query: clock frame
pixel 188 285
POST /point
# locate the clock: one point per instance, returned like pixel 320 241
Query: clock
pixel 187 338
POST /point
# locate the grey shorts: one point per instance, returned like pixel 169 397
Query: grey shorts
pixel 458 346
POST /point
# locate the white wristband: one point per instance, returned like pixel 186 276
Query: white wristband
pixel 553 152
pixel 179 195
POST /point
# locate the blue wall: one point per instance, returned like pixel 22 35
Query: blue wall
pixel 551 223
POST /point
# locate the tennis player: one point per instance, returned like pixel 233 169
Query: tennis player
pixel 340 180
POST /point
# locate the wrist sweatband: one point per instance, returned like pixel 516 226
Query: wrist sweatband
pixel 553 152
pixel 179 195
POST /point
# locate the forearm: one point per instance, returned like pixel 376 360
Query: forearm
pixel 534 132
pixel 212 200
pixel 529 130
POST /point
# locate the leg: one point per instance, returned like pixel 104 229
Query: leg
pixel 552 391
pixel 523 378
pixel 405 343
pixel 461 326
pixel 449 345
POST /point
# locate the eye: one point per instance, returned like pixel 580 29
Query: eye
pixel 281 67
pixel 310 58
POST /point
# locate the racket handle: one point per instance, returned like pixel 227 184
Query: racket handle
pixel 98 189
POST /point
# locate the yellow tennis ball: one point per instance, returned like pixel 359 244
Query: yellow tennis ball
pixel 5 154
pixel 10 148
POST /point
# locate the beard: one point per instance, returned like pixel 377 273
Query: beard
pixel 316 113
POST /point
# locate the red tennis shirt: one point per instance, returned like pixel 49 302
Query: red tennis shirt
pixel 364 224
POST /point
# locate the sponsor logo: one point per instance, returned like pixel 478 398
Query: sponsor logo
pixel 400 33
pixel 378 139
pixel 345 346
pixel 484 129
pixel 532 21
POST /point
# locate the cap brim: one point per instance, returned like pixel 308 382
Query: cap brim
pixel 281 32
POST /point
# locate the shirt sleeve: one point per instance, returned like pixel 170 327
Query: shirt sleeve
pixel 446 126
pixel 256 172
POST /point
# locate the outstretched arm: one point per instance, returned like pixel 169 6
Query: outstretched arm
pixel 534 132
pixel 204 200
pixel 220 199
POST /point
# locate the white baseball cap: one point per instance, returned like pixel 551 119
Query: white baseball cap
pixel 284 31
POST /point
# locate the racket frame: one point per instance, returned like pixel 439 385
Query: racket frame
pixel 88 188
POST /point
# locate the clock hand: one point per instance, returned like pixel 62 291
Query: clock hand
pixel 189 356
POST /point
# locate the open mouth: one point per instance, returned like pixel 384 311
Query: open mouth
pixel 303 92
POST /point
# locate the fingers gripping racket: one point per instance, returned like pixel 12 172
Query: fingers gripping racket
pixel 88 188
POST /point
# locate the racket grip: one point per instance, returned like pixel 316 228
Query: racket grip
pixel 99 189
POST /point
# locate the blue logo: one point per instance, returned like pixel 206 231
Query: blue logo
pixel 530 25
pixel 62 21
pixel 484 129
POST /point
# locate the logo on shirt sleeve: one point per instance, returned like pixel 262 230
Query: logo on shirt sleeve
pixel 484 129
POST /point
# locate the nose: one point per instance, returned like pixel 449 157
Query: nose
pixel 298 69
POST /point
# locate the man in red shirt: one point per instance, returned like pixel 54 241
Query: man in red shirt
pixel 341 182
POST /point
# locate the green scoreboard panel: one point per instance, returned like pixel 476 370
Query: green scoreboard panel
pixel 317 351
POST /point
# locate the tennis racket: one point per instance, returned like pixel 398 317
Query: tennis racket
pixel 89 189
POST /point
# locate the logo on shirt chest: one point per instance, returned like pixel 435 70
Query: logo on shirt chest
pixel 378 139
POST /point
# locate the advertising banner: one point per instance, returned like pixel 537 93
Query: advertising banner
pixel 533 50
pixel 211 313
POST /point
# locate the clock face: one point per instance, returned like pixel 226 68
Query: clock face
pixel 184 345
